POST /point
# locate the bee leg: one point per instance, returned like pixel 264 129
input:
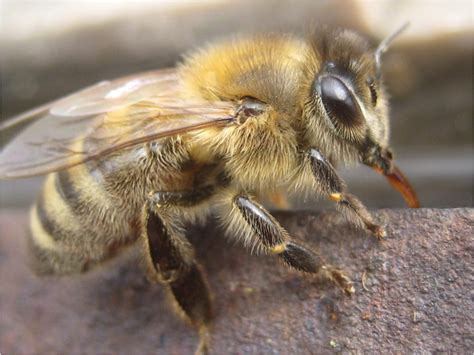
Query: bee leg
pixel 333 185
pixel 275 239
pixel 185 198
pixel 171 261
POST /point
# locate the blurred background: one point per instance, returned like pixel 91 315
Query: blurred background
pixel 52 48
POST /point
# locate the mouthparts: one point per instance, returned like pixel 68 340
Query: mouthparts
pixel 399 181
pixel 381 160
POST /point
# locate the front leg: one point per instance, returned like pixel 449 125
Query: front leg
pixel 335 188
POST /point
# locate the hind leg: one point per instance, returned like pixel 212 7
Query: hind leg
pixel 171 260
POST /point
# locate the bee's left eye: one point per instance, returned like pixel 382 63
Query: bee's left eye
pixel 339 102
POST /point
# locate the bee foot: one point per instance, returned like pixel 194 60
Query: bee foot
pixel 342 280
pixel 378 231
pixel 203 347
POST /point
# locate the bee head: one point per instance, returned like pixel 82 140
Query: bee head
pixel 345 99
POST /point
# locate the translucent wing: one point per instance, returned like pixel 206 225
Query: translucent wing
pixel 108 96
pixel 102 97
pixel 106 118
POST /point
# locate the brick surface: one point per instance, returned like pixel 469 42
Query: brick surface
pixel 413 294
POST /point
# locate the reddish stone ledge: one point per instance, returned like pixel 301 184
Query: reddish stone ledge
pixel 413 294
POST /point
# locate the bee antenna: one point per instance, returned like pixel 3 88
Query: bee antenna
pixel 384 45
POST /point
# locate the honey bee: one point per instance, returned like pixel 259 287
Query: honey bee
pixel 132 160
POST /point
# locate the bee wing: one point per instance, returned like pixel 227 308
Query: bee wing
pixel 108 96
pixel 102 97
pixel 106 118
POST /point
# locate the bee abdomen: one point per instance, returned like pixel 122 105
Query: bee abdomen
pixel 48 254
pixel 73 224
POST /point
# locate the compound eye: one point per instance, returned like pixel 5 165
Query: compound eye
pixel 339 102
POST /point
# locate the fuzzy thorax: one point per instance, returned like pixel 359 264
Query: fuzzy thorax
pixel 260 154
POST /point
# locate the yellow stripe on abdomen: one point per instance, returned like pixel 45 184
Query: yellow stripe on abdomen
pixel 41 238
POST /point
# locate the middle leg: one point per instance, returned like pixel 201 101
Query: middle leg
pixel 272 237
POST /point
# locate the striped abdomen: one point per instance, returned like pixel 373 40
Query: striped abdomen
pixel 84 215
